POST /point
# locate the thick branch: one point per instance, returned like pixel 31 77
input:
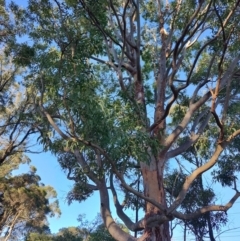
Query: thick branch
pixel 175 92
pixel 119 208
pixel 116 232
pixel 189 180
pixel 193 138
pixel 85 166
pixel 119 175
pixel 206 209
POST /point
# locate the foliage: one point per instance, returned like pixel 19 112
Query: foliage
pixel 199 227
pixel 38 237
pixel 70 233
pixel 101 234
pixel 90 233
pixel 15 103
pixel 25 203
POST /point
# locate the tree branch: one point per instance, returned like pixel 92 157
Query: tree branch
pixel 193 138
pixel 195 106
pixel 119 208
pixel 114 229
pixel 81 161
pixel 189 180
pixel 206 209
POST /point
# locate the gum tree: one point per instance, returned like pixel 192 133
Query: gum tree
pixel 125 88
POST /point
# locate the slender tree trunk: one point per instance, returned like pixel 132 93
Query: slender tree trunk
pixel 9 232
pixel 153 188
pixel 185 232
pixel 210 229
pixel 137 204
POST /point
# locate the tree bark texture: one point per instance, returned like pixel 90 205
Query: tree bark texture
pixel 153 188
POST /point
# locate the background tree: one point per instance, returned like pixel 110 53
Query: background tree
pixel 124 87
pixel 38 237
pixel 15 103
pixel 95 230
pixel 88 232
pixel 70 233
pixel 101 234
pixel 25 204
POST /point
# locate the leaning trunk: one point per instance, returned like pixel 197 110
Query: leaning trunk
pixel 153 188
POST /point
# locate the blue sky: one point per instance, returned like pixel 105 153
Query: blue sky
pixel 51 174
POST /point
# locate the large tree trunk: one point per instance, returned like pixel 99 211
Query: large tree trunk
pixel 153 188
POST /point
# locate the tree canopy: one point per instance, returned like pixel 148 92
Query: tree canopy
pixel 99 232
pixel 136 98
pixel 25 204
